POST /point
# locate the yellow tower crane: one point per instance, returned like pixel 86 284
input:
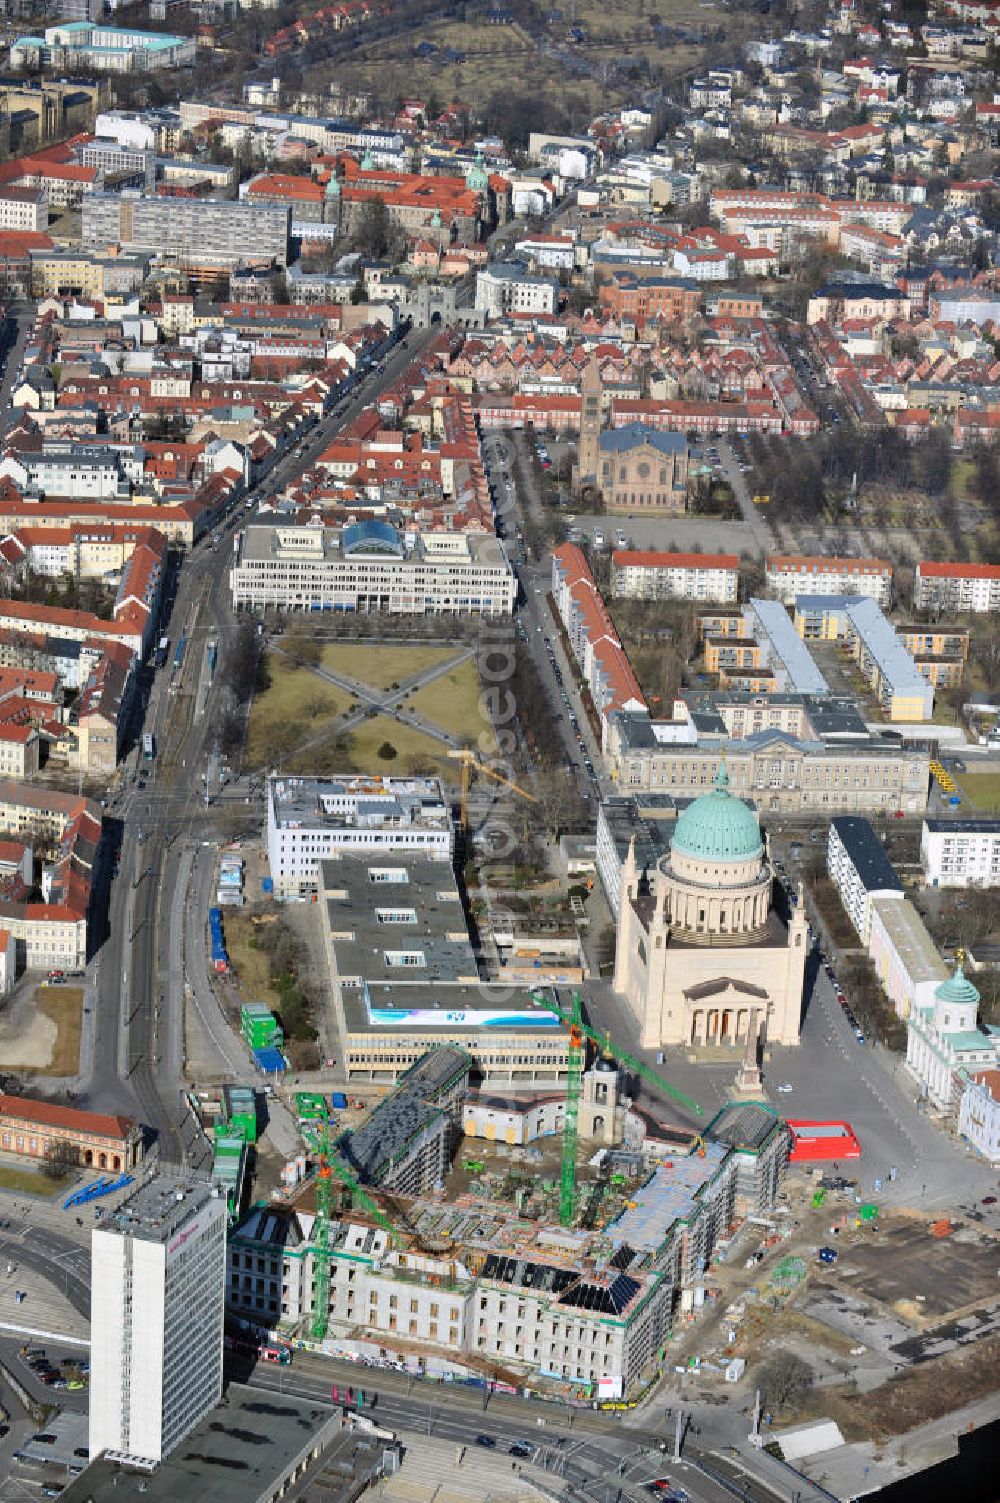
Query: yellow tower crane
pixel 469 760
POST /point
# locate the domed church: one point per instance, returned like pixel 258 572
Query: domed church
pixel 702 956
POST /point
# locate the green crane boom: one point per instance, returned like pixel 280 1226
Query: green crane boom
pixel 604 1043
pixel 578 1032
pixel 321 1240
pixel 330 1164
pixel 574 1072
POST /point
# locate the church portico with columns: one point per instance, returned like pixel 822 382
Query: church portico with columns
pixel 703 959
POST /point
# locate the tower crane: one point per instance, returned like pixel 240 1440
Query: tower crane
pixel 328 1165
pixel 579 1031
pixel 469 760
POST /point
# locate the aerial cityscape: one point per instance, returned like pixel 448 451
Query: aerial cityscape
pixel 500 751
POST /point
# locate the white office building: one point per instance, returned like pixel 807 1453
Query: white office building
pixel 860 870
pixel 961 852
pixel 371 566
pixel 309 820
pixel 158 1269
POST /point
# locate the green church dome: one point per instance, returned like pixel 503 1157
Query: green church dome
pixel 958 989
pixel 718 827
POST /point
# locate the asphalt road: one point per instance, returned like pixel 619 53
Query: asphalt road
pixel 134 1051
pixel 604 1456
pixel 537 628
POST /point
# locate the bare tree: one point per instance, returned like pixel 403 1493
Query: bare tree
pixel 784 1380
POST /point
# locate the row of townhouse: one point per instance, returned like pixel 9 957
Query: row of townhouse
pixel 593 640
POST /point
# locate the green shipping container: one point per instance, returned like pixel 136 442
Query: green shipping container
pixel 258 1025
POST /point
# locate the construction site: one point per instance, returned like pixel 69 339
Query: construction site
pixel 538 1242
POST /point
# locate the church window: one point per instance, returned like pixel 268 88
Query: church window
pixel 642 952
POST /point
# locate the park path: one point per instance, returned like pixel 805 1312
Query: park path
pixel 385 701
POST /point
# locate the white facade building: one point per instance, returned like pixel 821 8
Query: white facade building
pixel 24 209
pixel 789 575
pixel 371 567
pixel 158 1267
pixel 641 575
pixel 309 820
pixel 961 852
pixel 860 870
pixel 507 288
pixel 979 1114
pixel 956 587
pixel 946 1043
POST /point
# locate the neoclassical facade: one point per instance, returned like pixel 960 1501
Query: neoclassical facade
pixel 947 1045
pixel 702 957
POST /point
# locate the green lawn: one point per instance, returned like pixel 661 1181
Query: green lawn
pixel 981 789
pixel 381 667
pixel 250 965
pixel 28 1182
pixel 413 750
pixel 296 706
pixel 452 702
pixel 64 1005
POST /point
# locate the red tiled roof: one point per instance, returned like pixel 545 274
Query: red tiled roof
pixel 640 559
pixel 49 1114
pixel 958 571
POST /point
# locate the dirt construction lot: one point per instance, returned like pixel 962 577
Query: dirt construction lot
pixel 924 1279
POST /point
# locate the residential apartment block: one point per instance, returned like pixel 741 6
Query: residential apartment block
pixel 956 587
pixel 24 209
pixel 904 690
pixel 782 649
pixel 193 231
pixel 52 933
pixel 789 575
pixel 371 566
pixel 859 869
pixel 592 637
pixel 904 955
pixel 645 575
pixel 960 852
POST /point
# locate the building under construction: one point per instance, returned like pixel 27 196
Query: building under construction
pixel 479 1283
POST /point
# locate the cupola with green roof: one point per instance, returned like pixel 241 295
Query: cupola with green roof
pixel 956 1003
pixel 718 827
